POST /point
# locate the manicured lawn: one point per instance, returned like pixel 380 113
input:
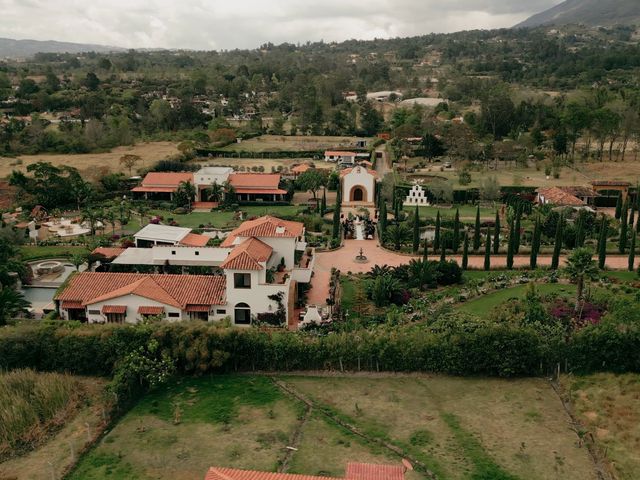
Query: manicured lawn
pixel 225 219
pixel 32 252
pixel 483 305
pixel 348 285
pixel 624 276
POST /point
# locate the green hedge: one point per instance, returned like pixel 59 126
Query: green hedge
pixel 197 348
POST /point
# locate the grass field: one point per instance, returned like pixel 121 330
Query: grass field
pixel 93 165
pixel 36 252
pixel 58 414
pixel 458 428
pixel 483 305
pixel 607 405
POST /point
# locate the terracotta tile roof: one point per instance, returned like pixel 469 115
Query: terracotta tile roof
pixel 260 191
pixel 154 189
pixel 150 310
pixel 254 180
pixel 195 240
pixel 368 471
pixel 114 309
pixel 218 473
pixel 580 191
pixel 355 471
pixel 557 196
pixel 177 290
pixel 198 308
pixel 166 179
pixel 70 304
pixel 347 171
pixel 265 227
pixel 301 168
pixel 108 252
pixel 248 255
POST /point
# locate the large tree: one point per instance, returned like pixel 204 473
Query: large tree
pixel 312 180
pixel 580 267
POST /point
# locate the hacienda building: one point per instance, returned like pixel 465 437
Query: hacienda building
pixel 253 276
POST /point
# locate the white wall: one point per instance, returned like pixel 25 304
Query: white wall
pixel 359 176
pixel 257 297
pixel 132 302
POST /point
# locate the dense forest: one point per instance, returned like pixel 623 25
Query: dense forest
pixel 551 84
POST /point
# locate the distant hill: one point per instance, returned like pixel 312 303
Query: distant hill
pixel 588 12
pixel 10 48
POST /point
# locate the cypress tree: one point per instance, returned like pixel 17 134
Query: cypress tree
pixel 425 250
pixel 443 253
pixel 622 245
pixel 632 252
pixel 602 243
pixel 619 207
pixel 456 232
pixel 323 202
pixel 496 235
pixel 336 218
pixel 487 252
pixel 396 211
pixel 632 216
pixel 557 248
pixel 516 230
pixel 476 231
pixel 535 245
pixel 465 252
pixel 511 248
pixel 382 221
pixel 436 238
pixel 580 231
pixel 416 231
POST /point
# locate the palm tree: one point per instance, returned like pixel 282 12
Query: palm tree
pixel 215 193
pixel 12 303
pixel 189 190
pixel 92 217
pixel 580 267
pixel 143 211
pixel 111 217
pixel 398 235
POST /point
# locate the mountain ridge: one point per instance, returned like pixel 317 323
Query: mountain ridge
pixel 11 48
pixel 587 12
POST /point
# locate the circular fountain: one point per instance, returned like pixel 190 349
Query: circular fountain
pixel 361 258
pixel 49 267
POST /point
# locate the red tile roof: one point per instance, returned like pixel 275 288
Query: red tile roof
pixel 218 473
pixel 114 309
pixel 108 252
pixel 355 471
pixel 177 290
pixel 150 310
pixel 265 227
pixel 163 182
pixel 301 168
pixel 154 189
pixel 254 180
pixel 248 255
pixel 261 191
pixel 557 196
pixel 347 171
pixel 195 240
pixel 368 471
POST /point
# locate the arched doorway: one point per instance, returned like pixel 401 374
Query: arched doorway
pixel 242 314
pixel 358 194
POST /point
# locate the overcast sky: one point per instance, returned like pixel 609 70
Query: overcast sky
pixel 227 24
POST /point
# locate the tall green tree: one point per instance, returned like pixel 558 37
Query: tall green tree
pixel 619 207
pixel 580 267
pixel 557 247
pixel 476 231
pixel 436 238
pixel 511 247
pixel 516 229
pixel 465 252
pixel 496 234
pixel 487 252
pixel 336 217
pixel 12 304
pixel 312 180
pixel 624 234
pixel 382 220
pixel 535 244
pixel 416 231
pixel 425 250
pixel 602 243
pixel 456 231
pixel 632 252
pixel 323 202
pixel 443 253
pixel 580 234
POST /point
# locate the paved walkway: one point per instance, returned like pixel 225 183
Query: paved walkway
pixel 343 260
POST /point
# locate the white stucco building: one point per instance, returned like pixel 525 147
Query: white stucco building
pixel 259 266
pixel 358 187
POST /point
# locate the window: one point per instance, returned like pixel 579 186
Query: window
pixel 221 312
pixel 173 252
pixel 174 315
pixel 197 253
pixel 242 280
pixel 115 317
pixel 94 312
pixel 203 316
pixel 242 314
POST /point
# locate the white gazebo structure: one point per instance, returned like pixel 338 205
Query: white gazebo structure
pixel 417 196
